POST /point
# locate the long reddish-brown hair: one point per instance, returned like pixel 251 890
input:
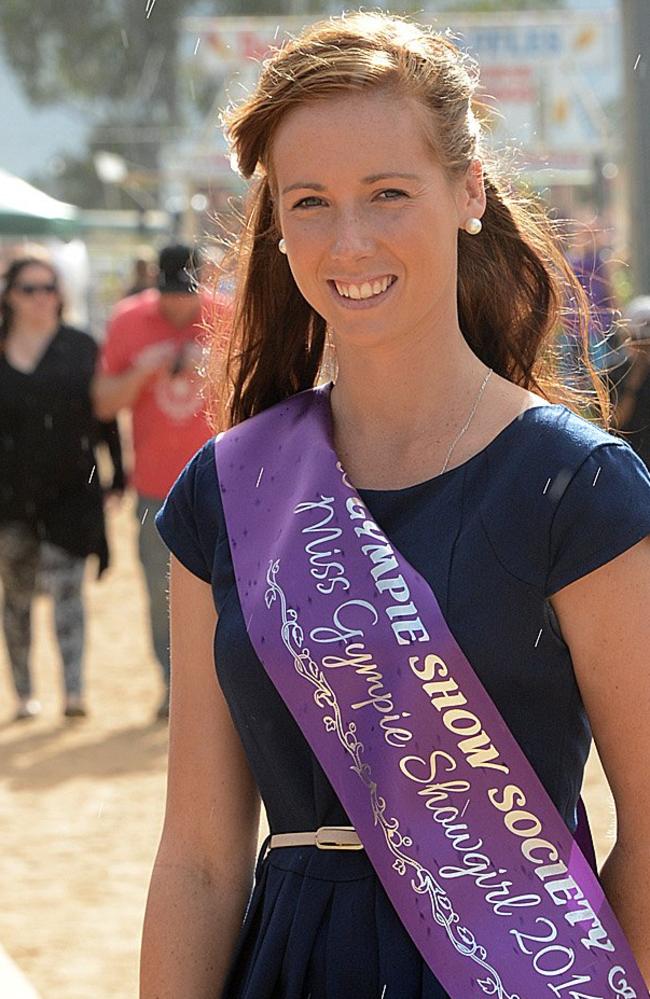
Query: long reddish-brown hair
pixel 515 288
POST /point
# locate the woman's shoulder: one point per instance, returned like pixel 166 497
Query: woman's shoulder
pixel 75 338
pixel 573 429
pixel 194 496
pixel 560 495
pixel 552 436
pixel 548 448
pixel 200 472
pixel 276 418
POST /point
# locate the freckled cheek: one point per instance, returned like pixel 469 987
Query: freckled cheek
pixel 306 268
pixel 431 250
pixel 308 257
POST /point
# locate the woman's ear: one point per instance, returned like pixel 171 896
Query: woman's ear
pixel 472 192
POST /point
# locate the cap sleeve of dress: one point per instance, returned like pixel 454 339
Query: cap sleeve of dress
pixel 190 521
pixel 604 510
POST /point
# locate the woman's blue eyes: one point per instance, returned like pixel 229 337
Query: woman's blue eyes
pixel 391 191
pixel 303 202
pixel 313 202
pixel 394 190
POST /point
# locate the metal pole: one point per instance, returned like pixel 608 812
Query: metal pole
pixel 636 57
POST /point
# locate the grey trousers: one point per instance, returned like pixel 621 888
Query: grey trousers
pixel 155 561
pixel 28 566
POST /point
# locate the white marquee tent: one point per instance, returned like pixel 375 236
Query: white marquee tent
pixel 26 211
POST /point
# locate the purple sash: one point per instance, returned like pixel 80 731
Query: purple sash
pixel 472 853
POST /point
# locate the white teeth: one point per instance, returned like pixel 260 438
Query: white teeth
pixel 366 290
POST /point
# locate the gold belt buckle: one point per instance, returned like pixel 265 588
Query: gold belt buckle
pixel 328 838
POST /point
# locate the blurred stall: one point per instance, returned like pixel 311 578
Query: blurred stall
pixel 26 211
pixel 93 250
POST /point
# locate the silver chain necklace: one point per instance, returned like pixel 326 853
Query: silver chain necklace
pixel 469 420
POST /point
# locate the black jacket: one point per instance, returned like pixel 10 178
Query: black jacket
pixel 48 433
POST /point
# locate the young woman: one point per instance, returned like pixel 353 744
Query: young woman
pixel 377 223
pixel 51 503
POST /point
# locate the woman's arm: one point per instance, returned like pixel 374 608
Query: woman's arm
pixel 203 871
pixel 108 434
pixel 605 620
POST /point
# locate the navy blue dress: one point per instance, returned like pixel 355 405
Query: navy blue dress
pixel 551 498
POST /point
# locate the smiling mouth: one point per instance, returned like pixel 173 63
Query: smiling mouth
pixel 364 290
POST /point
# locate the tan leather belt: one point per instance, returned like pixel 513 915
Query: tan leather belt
pixel 324 838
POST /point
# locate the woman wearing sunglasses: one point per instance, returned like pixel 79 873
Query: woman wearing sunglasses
pixel 51 509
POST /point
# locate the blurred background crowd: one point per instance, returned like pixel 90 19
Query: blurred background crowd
pixel 112 118
pixel 116 191
pixel 116 197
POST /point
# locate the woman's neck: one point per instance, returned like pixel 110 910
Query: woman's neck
pixel 404 390
pixel 395 417
pixel 33 332
pixel 26 345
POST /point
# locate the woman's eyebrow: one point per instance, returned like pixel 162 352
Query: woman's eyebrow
pixel 374 177
pixel 304 184
pixel 371 179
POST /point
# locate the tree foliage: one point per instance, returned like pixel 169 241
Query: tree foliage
pixel 117 60
pixel 104 54
pixel 108 52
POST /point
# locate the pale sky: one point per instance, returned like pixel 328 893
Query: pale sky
pixel 30 136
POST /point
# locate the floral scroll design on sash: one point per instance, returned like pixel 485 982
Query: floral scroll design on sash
pixel 423 882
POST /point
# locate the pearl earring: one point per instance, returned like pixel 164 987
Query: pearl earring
pixel 473 226
pixel 282 246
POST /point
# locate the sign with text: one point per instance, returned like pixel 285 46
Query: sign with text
pixel 555 78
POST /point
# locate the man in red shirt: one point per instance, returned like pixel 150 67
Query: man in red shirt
pixel 148 365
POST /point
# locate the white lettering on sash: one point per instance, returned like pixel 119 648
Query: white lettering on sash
pixel 369 530
pixel 395 587
pixel 447 698
pixel 339 632
pixel 473 863
pixel 479 752
pixel 402 612
pixel 355 508
pixel 357 658
pixel 555 877
pixel 382 559
pixel 324 567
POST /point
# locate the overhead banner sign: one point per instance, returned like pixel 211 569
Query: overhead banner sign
pixel 554 79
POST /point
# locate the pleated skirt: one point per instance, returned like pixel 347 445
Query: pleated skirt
pixel 319 925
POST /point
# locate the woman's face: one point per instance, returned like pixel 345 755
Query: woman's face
pixel 34 297
pixel 370 219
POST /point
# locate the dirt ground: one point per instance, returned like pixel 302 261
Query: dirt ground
pixel 81 803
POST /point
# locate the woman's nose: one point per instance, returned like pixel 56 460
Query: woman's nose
pixel 352 238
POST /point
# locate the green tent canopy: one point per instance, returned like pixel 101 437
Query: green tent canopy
pixel 26 211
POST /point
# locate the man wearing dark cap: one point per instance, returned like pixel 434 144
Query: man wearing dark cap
pixel 148 365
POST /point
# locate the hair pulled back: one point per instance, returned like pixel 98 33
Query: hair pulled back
pixel 514 285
